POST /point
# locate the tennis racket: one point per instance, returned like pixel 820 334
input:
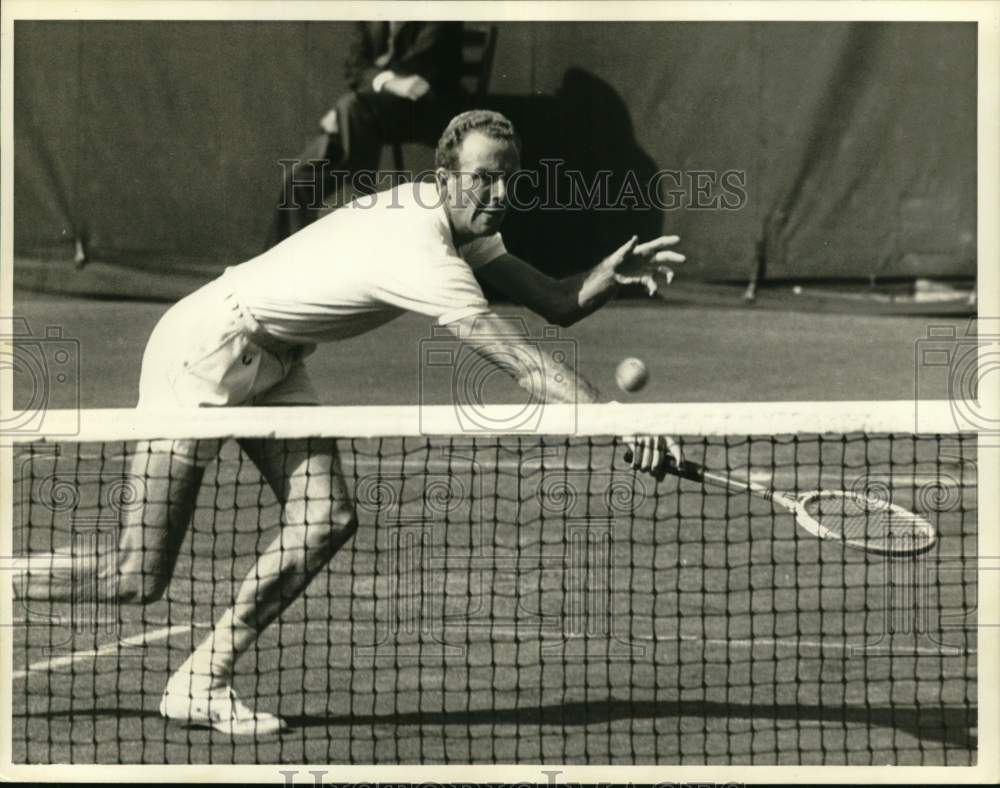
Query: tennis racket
pixel 861 522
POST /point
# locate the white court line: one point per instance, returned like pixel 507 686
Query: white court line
pixel 819 645
pixel 103 651
pixel 793 642
pixel 39 561
pixel 167 632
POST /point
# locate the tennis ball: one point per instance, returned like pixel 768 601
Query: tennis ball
pixel 631 375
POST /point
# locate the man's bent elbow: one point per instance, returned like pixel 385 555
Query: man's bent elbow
pixel 559 312
pixel 565 317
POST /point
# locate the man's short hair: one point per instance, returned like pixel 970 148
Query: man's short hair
pixel 485 121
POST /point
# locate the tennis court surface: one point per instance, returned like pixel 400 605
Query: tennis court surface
pixel 527 598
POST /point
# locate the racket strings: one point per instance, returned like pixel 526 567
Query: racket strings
pixel 870 522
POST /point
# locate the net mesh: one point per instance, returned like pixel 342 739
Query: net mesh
pixel 523 599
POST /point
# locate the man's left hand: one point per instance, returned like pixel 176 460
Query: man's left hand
pixel 646 263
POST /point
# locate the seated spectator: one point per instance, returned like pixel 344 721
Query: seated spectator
pixel 404 79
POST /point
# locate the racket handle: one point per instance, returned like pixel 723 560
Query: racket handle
pixel 686 470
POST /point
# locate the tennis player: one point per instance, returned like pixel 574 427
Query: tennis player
pixel 241 340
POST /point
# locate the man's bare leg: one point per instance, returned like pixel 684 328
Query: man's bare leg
pixel 317 519
pixel 166 477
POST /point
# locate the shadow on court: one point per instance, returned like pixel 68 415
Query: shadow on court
pixel 951 727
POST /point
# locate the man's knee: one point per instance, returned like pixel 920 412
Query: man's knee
pixel 342 523
pixel 345 522
pixel 142 575
pixel 139 589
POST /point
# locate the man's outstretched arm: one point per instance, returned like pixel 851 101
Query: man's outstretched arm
pixel 528 362
pixel 565 301
pixel 552 381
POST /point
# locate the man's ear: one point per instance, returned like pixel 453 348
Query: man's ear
pixel 441 177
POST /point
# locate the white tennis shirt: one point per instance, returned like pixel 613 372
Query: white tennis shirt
pixel 363 265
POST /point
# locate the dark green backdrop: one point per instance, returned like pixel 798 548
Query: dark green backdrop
pixel 156 143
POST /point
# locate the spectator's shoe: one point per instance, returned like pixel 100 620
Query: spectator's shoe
pixel 216 707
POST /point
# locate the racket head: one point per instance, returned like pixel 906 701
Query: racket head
pixel 865 523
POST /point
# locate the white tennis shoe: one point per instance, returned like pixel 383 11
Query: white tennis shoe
pixel 216 707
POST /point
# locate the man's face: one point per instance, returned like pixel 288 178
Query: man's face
pixel 477 190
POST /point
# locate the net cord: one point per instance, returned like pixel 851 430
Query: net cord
pixel 925 417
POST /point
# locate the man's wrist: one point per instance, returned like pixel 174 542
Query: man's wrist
pixel 598 284
pixel 605 273
pixel 378 82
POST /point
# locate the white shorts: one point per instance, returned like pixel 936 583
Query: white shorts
pixel 209 351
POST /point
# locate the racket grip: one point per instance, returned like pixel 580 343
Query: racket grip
pixel 685 470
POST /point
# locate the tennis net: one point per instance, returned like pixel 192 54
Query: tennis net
pixel 515 597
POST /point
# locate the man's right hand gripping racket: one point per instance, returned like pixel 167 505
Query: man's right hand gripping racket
pixel 861 522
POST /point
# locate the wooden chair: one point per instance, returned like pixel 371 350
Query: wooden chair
pixel 478 47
